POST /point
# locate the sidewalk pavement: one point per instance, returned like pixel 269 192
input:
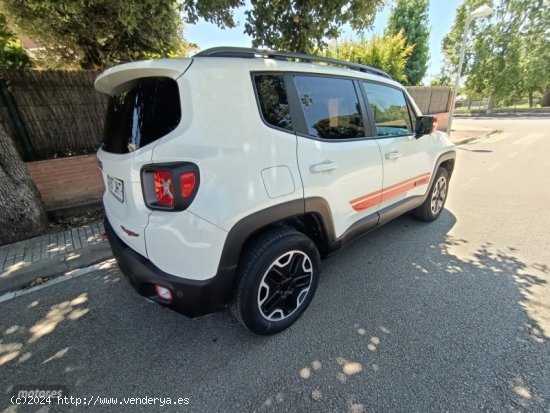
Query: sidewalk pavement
pixel 462 134
pixel 32 261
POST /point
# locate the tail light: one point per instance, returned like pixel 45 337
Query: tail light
pixel 170 187
pixel 164 188
pixel 187 183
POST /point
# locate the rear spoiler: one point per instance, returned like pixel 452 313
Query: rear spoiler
pixel 110 79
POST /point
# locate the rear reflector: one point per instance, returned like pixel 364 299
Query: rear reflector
pixel 187 181
pixel 163 292
pixel 164 189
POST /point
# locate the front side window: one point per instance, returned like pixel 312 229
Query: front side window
pixel 273 100
pixel 331 107
pixel 142 111
pixel 390 110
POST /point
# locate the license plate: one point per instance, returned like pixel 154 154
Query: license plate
pixel 116 186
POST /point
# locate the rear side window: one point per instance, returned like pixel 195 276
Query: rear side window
pixel 271 92
pixel 331 107
pixel 142 111
pixel 390 110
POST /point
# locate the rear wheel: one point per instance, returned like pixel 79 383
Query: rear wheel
pixel 277 280
pixel 434 203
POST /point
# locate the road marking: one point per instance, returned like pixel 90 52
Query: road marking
pixel 69 275
pixel 497 137
pixel 529 139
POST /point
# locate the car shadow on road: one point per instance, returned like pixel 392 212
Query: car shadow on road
pixel 475 150
pixel 408 316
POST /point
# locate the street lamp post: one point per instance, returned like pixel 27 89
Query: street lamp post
pixel 480 12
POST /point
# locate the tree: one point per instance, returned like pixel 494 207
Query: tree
pixel 534 54
pixel 512 50
pixel 219 12
pixel 453 40
pixel 444 77
pixel 12 55
pixel 441 80
pixel 411 16
pixel 22 213
pixel 495 67
pixel 92 34
pixel 304 26
pixel 387 53
pixel 507 56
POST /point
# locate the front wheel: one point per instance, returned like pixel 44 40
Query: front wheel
pixel 277 280
pixel 437 195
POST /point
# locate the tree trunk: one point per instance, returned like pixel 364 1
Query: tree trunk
pixel 545 102
pixel 490 104
pixel 530 99
pixel 22 214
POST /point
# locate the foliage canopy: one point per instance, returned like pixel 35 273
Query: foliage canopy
pixel 91 34
pixel 411 16
pixel 12 55
pixel 304 26
pixel 508 55
pixel 389 53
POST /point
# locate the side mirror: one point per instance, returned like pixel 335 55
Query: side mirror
pixel 425 125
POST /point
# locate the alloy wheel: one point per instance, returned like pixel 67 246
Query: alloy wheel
pixel 438 195
pixel 285 285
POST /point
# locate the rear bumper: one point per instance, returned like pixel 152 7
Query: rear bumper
pixel 190 297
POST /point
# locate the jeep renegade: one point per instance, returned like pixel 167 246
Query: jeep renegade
pixel 230 174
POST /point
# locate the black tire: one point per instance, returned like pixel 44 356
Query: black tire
pixel 425 212
pixel 267 252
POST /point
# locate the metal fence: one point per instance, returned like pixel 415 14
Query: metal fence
pixel 517 106
pixel 51 113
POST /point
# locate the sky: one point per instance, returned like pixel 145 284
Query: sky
pixel 441 16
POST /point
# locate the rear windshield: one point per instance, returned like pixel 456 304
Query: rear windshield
pixel 142 111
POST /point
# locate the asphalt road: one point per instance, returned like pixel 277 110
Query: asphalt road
pixel 449 316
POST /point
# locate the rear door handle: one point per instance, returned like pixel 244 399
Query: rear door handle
pixel 393 155
pixel 323 167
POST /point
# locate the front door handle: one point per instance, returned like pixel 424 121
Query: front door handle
pixel 393 155
pixel 323 167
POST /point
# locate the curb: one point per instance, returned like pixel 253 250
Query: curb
pixel 58 279
pixel 475 138
pixel 13 280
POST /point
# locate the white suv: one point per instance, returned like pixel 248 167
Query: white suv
pixel 231 173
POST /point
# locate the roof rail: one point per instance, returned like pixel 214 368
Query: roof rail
pixel 246 52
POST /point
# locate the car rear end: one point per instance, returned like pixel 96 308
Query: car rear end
pixel 144 109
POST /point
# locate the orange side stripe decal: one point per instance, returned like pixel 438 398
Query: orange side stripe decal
pixel 367 203
pixel 388 188
pixel 389 192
